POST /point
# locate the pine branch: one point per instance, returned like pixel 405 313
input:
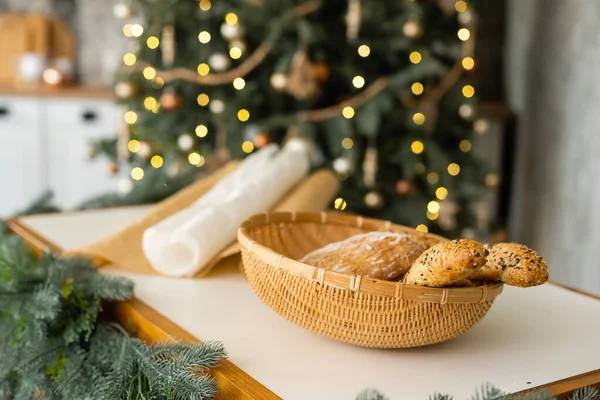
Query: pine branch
pixel 370 394
pixel 587 393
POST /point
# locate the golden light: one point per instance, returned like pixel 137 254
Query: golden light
pixel 239 83
pixel 243 115
pixel 433 206
pixel 203 99
pixel 468 63
pixel 130 117
pixel 453 169
pixel 204 37
pixel 149 73
pixel 348 112
pixel 137 173
pixel 364 50
pixel 347 143
pixel 441 193
pixel 460 6
pixel 129 59
pixel 247 147
pixel 137 30
pixel 419 118
pixel 149 103
pixel 433 178
pixel 465 146
pixel 156 108
pixel 415 57
pixel 201 131
pixel 340 204
pixel 464 34
pixel 194 158
pixel 133 146
pixel 156 161
pixel 203 69
pixel 358 81
pixel 235 53
pixel 417 147
pixel 422 228
pixel 127 30
pixel 205 5
pixel 158 82
pixel 468 91
pixel 152 42
pixel 417 88
pixel 432 216
pixel 231 19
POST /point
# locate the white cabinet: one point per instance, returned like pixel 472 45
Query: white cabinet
pixel 44 145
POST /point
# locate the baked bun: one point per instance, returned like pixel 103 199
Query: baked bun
pixel 514 264
pixel 379 255
pixel 446 263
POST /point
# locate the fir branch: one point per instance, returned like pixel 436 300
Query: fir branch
pixel 587 393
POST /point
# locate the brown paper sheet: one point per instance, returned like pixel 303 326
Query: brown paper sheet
pixel 124 247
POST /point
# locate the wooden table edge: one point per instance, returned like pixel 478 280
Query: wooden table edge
pixel 151 326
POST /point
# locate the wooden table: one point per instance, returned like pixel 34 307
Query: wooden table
pixel 538 337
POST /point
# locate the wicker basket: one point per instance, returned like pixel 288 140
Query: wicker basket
pixel 362 311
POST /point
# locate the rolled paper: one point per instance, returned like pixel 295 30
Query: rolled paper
pixel 186 242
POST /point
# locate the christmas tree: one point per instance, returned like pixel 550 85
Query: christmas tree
pixel 380 91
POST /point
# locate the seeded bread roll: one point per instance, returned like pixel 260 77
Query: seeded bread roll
pixel 446 263
pixel 514 264
pixel 379 255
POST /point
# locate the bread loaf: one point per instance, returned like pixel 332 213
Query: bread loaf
pixel 379 255
pixel 514 264
pixel 446 263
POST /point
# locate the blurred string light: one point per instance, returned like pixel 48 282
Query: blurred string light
pixel 235 52
pixel 134 146
pixel 205 5
pixel 156 108
pixel 152 42
pixel 130 117
pixel 347 143
pixel 453 169
pixel 158 82
pixel 156 161
pixel 415 57
pixel 419 118
pixel 137 173
pixel 441 193
pixel 149 73
pixel 348 112
pixel 203 69
pixel 340 204
pixel 239 83
pixel 419 168
pixel 417 88
pixel 127 30
pixel 196 159
pixel 247 147
pixel 433 206
pixel 201 131
pixel 464 34
pixel 364 50
pixel 203 99
pixel 432 216
pixel 137 30
pixel 243 115
pixel 422 228
pixel 231 19
pixel 468 63
pixel 433 178
pixel 417 147
pixel 465 146
pixel 460 6
pixel 468 91
pixel 129 59
pixel 149 103
pixel 204 37
pixel 358 81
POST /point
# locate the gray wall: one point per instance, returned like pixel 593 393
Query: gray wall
pixel 553 76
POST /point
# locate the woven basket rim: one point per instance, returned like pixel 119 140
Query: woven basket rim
pixel 355 283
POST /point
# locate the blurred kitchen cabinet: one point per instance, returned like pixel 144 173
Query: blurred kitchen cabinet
pixel 22 153
pixel 70 127
pixel 44 145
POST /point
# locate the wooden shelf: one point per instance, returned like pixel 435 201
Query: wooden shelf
pixel 71 92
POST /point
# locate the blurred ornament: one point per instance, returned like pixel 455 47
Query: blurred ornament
pixel 492 181
pixel 412 29
pixel 353 19
pixel 374 200
pixel 185 142
pixel 342 165
pixel 32 66
pixel 321 71
pixel 465 111
pixel 370 166
pixel 465 18
pixel 125 90
pixel 405 187
pixel 53 77
pixel 278 81
pixel 260 140
pixel 481 126
pixel 230 32
pixel 219 61
pixel 124 185
pixel 168 45
pixel 122 10
pixel 170 100
pixel 216 106
pixel 302 81
pixel 113 168
pixel 240 44
pixel 145 150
